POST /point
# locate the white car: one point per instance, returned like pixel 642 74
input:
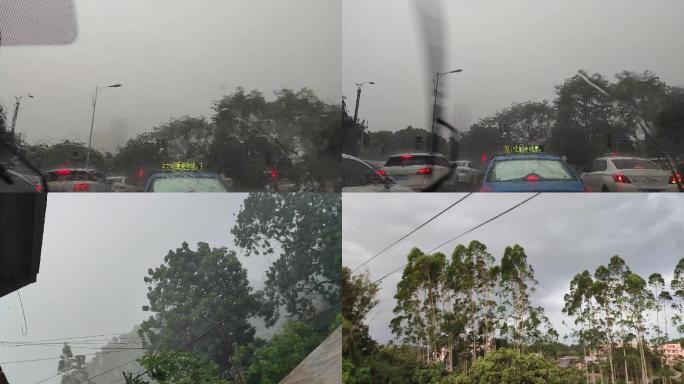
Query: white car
pixel 418 170
pixel 359 176
pixel 466 172
pixel 627 174
pixel 76 180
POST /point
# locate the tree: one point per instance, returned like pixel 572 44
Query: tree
pixel 303 232
pixel 72 368
pixel 177 368
pixel 507 366
pixel 584 117
pixel 194 289
pixel 271 362
pixel 523 123
pixel 358 298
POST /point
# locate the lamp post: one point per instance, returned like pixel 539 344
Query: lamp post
pixel 358 97
pixel 434 105
pixel 92 120
pixel 17 102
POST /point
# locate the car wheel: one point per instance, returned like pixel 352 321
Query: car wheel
pixel 605 189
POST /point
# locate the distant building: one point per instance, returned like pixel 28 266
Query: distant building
pixel 571 362
pixel 673 353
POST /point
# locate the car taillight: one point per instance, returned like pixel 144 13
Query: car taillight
pixel 406 157
pixel 532 178
pixel 381 172
pixel 618 178
pixel 39 187
pixel 81 187
pixel 63 172
pixel 674 181
pixel 424 171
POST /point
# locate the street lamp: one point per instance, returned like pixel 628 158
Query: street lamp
pixel 92 120
pixel 17 101
pixel 358 96
pixel 434 105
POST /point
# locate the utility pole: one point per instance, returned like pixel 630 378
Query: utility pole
pixel 92 120
pixel 230 360
pixel 435 81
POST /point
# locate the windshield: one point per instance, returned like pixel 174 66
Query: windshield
pixel 518 170
pixel 138 84
pixel 187 184
pixel 633 164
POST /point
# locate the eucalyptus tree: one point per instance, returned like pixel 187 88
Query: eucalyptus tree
pixel 579 305
pixel 641 301
pixel 657 284
pixel 419 295
pixel 602 294
pixel 677 287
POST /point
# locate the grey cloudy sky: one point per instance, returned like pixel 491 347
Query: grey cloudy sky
pixel 96 250
pixel 562 235
pixel 510 51
pixel 173 58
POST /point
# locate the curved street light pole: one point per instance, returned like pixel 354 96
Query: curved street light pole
pixel 434 104
pixel 92 120
pixel 358 97
pixel 17 102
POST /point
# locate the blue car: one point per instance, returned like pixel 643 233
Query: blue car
pixel 186 181
pixel 530 173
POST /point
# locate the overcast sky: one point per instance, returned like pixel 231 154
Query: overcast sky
pixel 562 235
pixel 510 51
pixel 96 250
pixel 174 58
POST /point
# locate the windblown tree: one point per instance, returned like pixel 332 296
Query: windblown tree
pixel 302 233
pixel 194 290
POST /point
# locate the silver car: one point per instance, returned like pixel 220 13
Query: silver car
pixel 418 170
pixel 627 174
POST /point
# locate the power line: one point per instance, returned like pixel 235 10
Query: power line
pixel 463 234
pixel 52 358
pixel 140 373
pixel 67 338
pixel 410 233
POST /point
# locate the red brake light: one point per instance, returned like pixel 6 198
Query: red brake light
pixel 618 178
pixel 424 171
pixel 406 157
pixel 39 187
pixel 679 178
pixel 381 172
pixel 532 178
pixel 141 173
pixel 81 187
pixel 63 172
pixel 483 158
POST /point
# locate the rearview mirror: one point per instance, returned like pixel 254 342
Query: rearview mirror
pixel 37 22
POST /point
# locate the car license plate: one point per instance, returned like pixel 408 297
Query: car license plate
pixel 645 180
pixel 400 177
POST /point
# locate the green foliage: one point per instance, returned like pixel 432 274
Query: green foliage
pixel 506 366
pixel 180 368
pixel 72 368
pixel 193 290
pixel 385 143
pixel 351 374
pixel 358 298
pixel 303 232
pixel 271 362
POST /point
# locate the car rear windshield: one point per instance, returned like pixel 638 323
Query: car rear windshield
pixel 187 184
pixel 406 160
pixel 68 175
pixel 633 164
pixel 519 169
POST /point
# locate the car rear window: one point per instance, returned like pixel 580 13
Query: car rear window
pixel 518 169
pixel 406 160
pixel 66 175
pixel 633 164
pixel 187 184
